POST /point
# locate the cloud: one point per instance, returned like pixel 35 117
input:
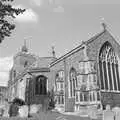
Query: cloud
pixel 28 16
pixel 36 2
pixel 5 65
pixel 59 9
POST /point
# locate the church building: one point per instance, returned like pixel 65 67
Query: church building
pixel 87 76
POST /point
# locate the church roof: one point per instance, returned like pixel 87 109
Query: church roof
pixel 81 46
pixel 42 62
pixel 39 69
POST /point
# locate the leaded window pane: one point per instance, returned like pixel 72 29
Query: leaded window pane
pixel 101 75
pixel 93 96
pixel 118 78
pixel 114 77
pixel 62 99
pixel 105 76
pixel 98 96
pixel 81 97
pixel 76 96
pixel 85 97
pixel 90 97
pixel 110 77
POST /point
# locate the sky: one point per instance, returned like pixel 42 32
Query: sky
pixel 59 23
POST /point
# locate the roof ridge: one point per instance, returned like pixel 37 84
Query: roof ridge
pixel 82 43
pixel 95 36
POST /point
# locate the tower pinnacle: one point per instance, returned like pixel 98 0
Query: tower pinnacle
pixel 53 51
pixel 103 23
pixel 24 47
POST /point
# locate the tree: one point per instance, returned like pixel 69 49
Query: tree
pixel 7 11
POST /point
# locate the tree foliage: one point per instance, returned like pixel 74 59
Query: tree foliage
pixel 6 11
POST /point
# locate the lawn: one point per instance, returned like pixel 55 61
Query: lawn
pixel 49 116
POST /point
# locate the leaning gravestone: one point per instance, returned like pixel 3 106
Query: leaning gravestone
pixel 6 109
pixel 23 111
pixel 116 110
pixel 108 114
pixel 92 112
pixel 35 108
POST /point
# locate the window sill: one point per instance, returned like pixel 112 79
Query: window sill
pixel 59 105
pixel 71 97
pixel 88 102
pixel 110 91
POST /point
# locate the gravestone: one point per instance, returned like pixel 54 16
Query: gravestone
pixel 92 112
pixel 6 109
pixel 116 110
pixel 108 114
pixel 23 111
pixel 35 108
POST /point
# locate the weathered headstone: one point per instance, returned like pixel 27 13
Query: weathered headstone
pixel 34 108
pixel 92 112
pixel 108 115
pixel 116 110
pixel 23 111
pixel 6 109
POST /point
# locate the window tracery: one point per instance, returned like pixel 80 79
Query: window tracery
pixel 108 67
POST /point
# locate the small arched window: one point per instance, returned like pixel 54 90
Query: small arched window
pixel 41 85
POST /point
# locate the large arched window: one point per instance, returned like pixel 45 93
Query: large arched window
pixel 41 85
pixel 108 68
pixel 73 82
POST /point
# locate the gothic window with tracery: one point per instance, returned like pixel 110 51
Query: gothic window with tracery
pixel 108 68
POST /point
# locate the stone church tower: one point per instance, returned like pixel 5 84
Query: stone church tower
pixel 21 61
